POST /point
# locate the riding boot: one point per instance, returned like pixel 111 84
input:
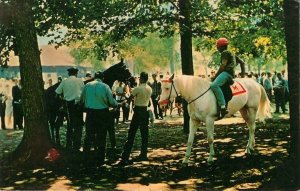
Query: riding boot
pixel 221 112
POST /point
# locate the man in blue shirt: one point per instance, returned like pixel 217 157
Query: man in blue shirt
pixel 97 98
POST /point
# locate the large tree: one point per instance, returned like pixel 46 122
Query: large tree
pixel 291 8
pixel 36 139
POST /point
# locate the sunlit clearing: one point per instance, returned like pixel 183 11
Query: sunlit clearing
pixel 270 151
pixel 246 186
pixel 191 181
pixel 238 153
pixel 21 182
pixel 160 153
pixel 230 121
pixel 62 183
pixel 226 140
pixel 140 187
pixel 37 170
pixel 8 188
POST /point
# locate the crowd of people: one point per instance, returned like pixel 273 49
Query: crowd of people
pixel 92 104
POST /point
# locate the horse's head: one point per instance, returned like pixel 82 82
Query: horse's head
pixel 118 72
pixel 168 91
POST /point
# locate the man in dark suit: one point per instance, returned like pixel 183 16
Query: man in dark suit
pixel 17 105
pixel 156 91
pixel 2 110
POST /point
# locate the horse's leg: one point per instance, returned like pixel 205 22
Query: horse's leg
pixel 250 115
pixel 210 138
pixel 51 120
pixel 58 123
pixel 193 129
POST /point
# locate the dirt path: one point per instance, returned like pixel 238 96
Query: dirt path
pixel 231 170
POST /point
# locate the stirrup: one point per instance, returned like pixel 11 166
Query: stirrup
pixel 221 112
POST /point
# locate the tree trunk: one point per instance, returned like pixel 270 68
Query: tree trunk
pixel 5 14
pixel 36 139
pixel 291 11
pixel 186 50
pixel 186 37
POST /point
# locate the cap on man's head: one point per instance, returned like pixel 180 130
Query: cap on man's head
pixel 98 75
pixel 73 70
pixel 88 75
pixel 144 76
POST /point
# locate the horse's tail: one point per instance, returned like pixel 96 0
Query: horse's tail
pixel 264 110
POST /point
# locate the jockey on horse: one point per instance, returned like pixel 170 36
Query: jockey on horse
pixel 225 74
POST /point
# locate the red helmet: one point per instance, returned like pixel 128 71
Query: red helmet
pixel 222 42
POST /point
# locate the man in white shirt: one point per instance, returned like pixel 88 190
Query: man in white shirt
pixel 140 120
pixel 71 89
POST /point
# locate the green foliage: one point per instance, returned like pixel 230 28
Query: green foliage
pixel 107 25
pixel 148 53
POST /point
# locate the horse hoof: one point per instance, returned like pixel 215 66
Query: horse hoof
pixel 183 165
pixel 249 151
pixel 210 161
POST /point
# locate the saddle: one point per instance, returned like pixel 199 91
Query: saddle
pixel 227 91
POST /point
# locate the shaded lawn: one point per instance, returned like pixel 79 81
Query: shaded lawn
pixel 264 169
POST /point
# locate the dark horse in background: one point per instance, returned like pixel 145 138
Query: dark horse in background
pixel 54 104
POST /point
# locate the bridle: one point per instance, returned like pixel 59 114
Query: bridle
pixel 172 85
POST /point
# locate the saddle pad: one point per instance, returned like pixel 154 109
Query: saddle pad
pixel 237 89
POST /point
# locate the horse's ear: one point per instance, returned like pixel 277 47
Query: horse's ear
pixel 172 77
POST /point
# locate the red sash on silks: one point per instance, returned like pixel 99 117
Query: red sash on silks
pixel 237 88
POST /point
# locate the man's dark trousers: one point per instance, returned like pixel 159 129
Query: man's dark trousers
pixel 156 108
pixel 139 120
pixel 18 115
pixel 74 126
pixel 97 121
pixel 2 114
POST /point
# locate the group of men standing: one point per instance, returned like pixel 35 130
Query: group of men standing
pixel 96 98
pixel 11 104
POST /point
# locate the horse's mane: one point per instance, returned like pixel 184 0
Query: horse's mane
pixel 120 72
pixel 193 81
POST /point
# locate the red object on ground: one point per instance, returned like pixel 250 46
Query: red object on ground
pixel 53 155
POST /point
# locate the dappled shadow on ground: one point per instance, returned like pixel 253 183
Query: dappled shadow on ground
pixel 232 169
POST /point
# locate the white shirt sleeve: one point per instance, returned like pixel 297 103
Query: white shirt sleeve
pixel 59 89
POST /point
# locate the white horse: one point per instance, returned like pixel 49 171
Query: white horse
pixel 253 104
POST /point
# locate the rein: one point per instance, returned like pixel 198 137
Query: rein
pixel 172 85
pixel 199 96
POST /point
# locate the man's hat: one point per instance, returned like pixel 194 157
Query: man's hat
pixel 98 75
pixel 144 76
pixel 88 74
pixel 72 69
